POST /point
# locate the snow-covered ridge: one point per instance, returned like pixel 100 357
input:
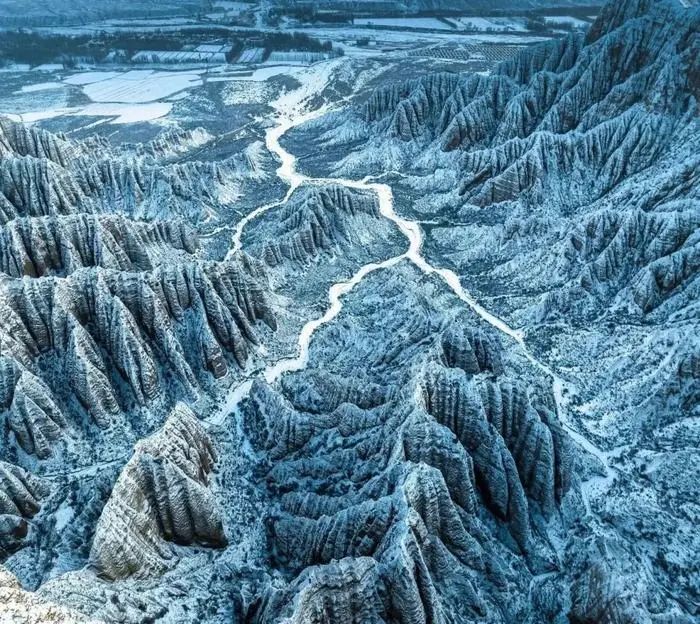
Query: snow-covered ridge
pixel 457 338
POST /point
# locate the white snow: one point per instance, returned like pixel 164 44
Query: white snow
pixel 128 113
pixel 141 86
pixel 484 24
pixel 292 110
pixel 403 22
pixel 48 67
pixel 213 47
pixel 146 95
pixel 35 116
pixel 15 67
pixel 86 78
pixel 262 74
pixel 246 93
pixel 177 97
pixel 490 23
pixel 121 113
pixel 449 36
pixel 126 97
pixel 64 514
pixel 566 19
pixel 42 86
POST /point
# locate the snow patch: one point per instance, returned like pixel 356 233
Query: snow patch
pixel 403 22
pixel 128 113
pixel 64 514
pixel 42 86
pixel 121 113
pixel 141 86
pixel 86 78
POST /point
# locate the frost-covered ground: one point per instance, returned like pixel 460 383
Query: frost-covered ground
pixel 629 396
pixel 403 22
pixel 490 23
pixel 137 86
pixel 576 22
pixel 438 332
pixel 485 24
pixel 19 13
pixel 130 96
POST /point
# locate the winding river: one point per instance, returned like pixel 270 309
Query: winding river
pixel 286 119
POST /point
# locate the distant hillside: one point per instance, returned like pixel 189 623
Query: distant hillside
pixel 20 13
pixel 387 7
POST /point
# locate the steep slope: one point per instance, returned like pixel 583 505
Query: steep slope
pixel 418 471
pixel 41 246
pixel 111 313
pixel 42 174
pixel 161 496
pixel 97 323
pixel 510 440
pixel 571 172
pixel 27 607
pixel 379 495
pixel 20 495
pixel 110 318
pixel 563 189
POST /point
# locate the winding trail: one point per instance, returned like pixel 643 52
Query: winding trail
pixel 286 120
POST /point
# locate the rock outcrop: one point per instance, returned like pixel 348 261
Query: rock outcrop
pixel 183 318
pixel 530 458
pixel 18 605
pixel 316 223
pixel 111 313
pixel 162 497
pixel 42 174
pixel 563 190
pixel 20 500
pixel 16 139
pixel 411 486
pixel 39 246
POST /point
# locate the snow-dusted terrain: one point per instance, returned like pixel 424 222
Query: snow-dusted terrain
pixel 356 340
